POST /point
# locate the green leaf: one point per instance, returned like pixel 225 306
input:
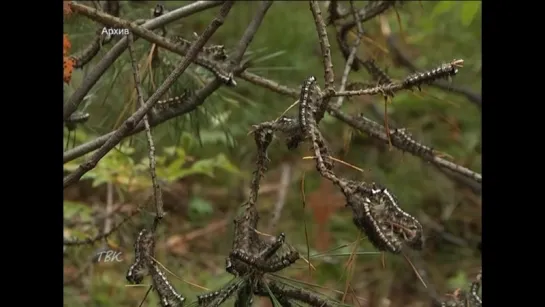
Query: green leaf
pixel 76 208
pixel 226 165
pixel 442 7
pixel 469 11
pixel 200 206
pixel 187 141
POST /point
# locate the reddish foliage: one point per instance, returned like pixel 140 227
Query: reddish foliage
pixel 68 62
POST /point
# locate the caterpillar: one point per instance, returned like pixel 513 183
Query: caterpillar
pixel 261 290
pixel 305 108
pixel 75 118
pixel 300 295
pixel 168 296
pixel 282 262
pixel 404 140
pixel 474 297
pixel 307 123
pixel 173 101
pixel 376 212
pixel 441 72
pixel 216 298
pixel 226 78
pixel 143 249
pixel 270 250
pixel 214 52
pixel 376 72
pixel 245 296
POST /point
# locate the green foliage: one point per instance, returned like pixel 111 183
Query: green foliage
pixel 120 168
pixel 469 11
pixel 199 207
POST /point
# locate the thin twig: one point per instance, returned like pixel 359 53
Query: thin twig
pixel 73 102
pixel 283 186
pixel 157 192
pixel 104 235
pixel 351 56
pixel 109 206
pixel 134 119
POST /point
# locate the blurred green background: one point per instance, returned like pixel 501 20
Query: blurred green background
pixel 205 159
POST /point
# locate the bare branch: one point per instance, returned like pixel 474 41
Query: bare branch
pixel 134 119
pixel 101 236
pixel 414 80
pixel 249 33
pixel 370 11
pixel 157 192
pixel 329 76
pixel 351 56
pixel 73 102
pixel 378 131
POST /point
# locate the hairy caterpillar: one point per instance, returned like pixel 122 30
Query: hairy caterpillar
pixel 443 71
pixel 172 102
pixel 168 296
pixel 404 140
pixel 143 249
pixel 300 295
pixel 75 118
pixel 282 262
pixel 214 52
pixel 388 227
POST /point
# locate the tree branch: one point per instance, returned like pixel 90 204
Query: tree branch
pixel 73 102
pixel 134 119
pixel 157 192
pixel 193 101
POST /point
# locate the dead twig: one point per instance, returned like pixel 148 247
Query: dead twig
pixel 157 192
pixel 134 119
pixel 104 235
pixel 329 75
pixel 351 56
